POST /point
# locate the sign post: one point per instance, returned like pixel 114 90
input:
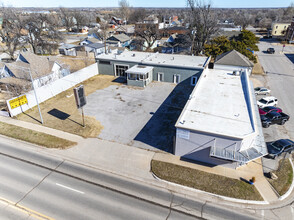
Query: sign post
pixel 80 99
pixel 283 48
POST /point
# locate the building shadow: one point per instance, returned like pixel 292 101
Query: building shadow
pixel 160 130
pixel 120 79
pixel 61 115
pixel 290 57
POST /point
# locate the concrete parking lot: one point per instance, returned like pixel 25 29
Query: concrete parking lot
pixel 139 117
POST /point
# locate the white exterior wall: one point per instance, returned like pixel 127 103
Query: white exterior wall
pixel 48 91
pixel 232 68
pixel 196 146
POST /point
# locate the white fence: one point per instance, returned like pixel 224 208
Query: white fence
pixel 48 91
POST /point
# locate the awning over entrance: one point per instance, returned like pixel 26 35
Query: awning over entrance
pixel 140 70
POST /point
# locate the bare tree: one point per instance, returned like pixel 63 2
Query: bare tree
pixel 124 9
pixel 244 19
pixel 147 35
pixel 203 24
pixel 81 19
pixel 42 33
pixel 137 15
pixel 67 18
pixel 103 32
pixel 11 31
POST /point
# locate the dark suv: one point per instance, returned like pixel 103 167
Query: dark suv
pixel 271 50
pixel 274 118
pixel 276 148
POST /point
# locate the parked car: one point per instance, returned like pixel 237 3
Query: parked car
pixel 268 109
pixel 267 101
pixel 271 50
pixel 276 148
pixel 261 91
pixel 274 118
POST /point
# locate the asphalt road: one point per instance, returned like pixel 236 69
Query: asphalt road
pixel 280 79
pixel 60 189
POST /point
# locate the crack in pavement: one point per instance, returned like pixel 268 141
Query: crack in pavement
pixel 51 171
pixel 170 206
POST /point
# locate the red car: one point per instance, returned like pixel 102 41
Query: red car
pixel 268 109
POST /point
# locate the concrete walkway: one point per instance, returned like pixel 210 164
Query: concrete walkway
pixel 135 162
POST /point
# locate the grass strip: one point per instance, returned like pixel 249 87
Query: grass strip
pixel 208 182
pixel 34 137
pixel 285 177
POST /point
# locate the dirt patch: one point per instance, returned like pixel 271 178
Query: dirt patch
pixel 60 112
pixel 34 137
pixel 205 181
pixel 285 177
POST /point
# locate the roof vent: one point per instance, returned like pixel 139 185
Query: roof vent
pixel 236 72
pixel 133 55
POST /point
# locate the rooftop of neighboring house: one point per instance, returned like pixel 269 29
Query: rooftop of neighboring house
pixel 151 18
pixel 233 58
pixel 119 37
pixel 67 46
pixel 130 29
pixel 40 65
pixel 95 45
pixel 183 61
pixel 219 105
pixel 14 81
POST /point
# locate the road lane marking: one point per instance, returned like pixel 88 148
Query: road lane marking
pixel 66 187
pixel 24 209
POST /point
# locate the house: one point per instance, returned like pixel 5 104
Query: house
pixel 96 48
pixel 220 123
pixel 174 30
pixel 119 40
pixel 116 21
pixel 290 32
pixel 68 49
pixel 151 19
pixel 126 29
pixel 279 29
pixel 27 65
pixel 176 43
pixel 161 67
pixel 89 40
pixel 233 60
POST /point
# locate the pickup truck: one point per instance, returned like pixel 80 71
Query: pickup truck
pixel 274 118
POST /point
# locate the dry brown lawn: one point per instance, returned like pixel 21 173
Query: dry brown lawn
pixel 285 177
pixel 34 137
pixel 69 117
pixel 205 181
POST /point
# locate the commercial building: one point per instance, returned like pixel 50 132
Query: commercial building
pixel 161 67
pixel 279 29
pixel 220 124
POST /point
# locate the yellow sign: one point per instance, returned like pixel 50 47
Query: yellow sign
pixel 21 100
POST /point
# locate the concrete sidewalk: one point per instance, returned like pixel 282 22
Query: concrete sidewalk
pixel 135 162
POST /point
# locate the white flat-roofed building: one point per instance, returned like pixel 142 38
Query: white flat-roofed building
pixel 220 124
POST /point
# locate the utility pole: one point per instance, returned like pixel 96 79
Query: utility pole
pixel 36 95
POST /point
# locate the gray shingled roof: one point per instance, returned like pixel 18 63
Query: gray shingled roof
pixel 120 37
pixel 95 45
pixel 233 58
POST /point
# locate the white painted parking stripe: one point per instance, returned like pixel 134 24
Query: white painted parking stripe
pixel 66 187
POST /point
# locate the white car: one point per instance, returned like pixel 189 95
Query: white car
pixel 261 91
pixel 267 101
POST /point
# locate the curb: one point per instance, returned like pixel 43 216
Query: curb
pixel 290 190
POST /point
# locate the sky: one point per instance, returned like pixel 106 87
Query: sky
pixel 145 3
